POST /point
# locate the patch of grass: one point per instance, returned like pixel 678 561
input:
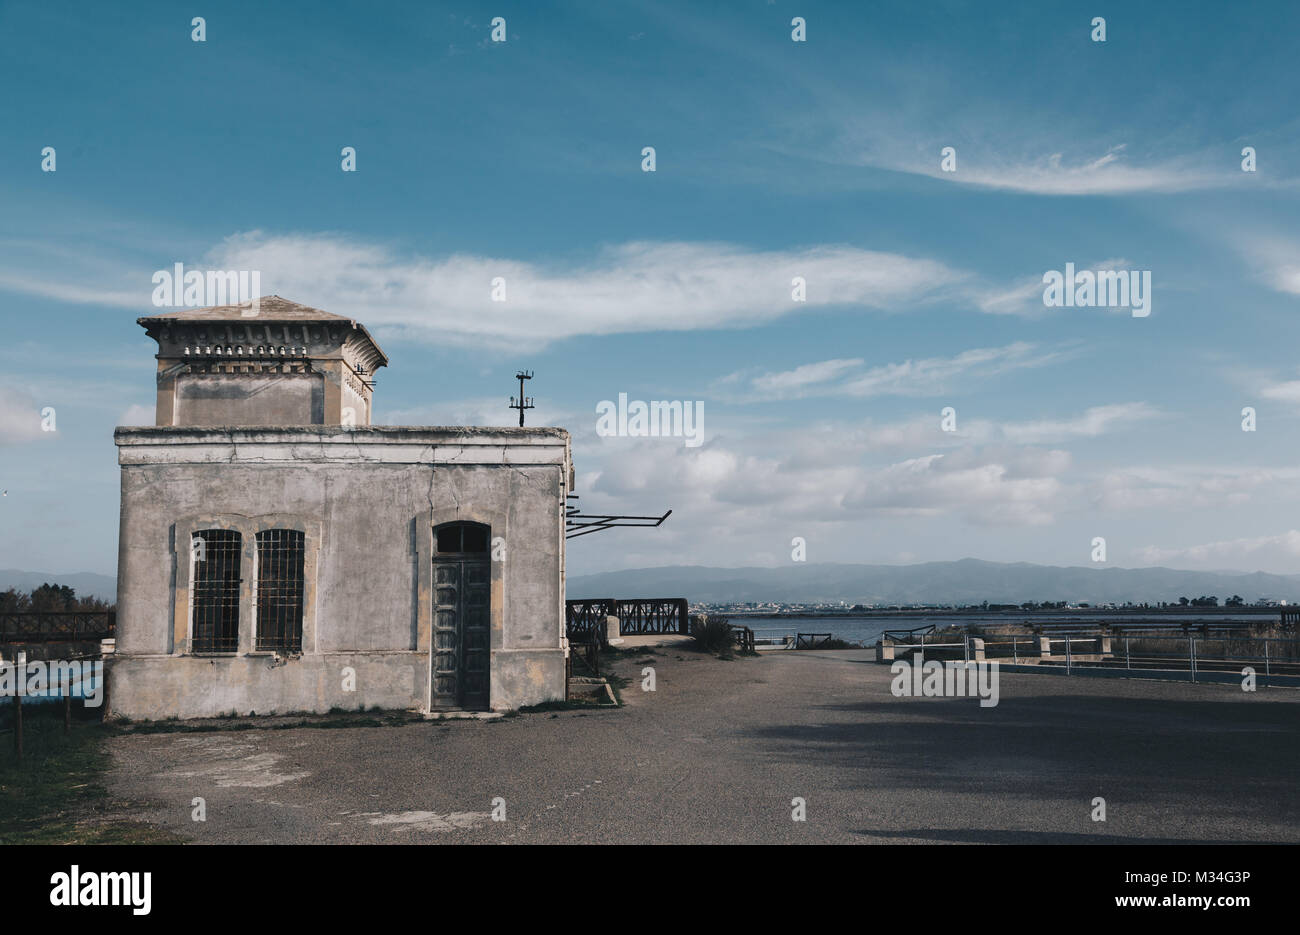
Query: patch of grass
pixel 359 722
pixel 53 796
pixel 572 705
pixel 831 644
pixel 616 685
pixel 713 635
pixel 621 652
pixel 337 718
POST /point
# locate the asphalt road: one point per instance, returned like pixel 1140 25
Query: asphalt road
pixel 719 751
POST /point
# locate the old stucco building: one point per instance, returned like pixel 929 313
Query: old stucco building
pixel 278 553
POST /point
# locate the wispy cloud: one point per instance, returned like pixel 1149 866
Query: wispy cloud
pixel 1094 422
pixel 20 417
pixel 1025 296
pixel 137 414
pixel 1057 174
pixel 804 376
pixel 633 287
pixel 928 376
pixel 628 288
pixel 1246 552
pixel 1147 487
pixel 1287 391
pixel 51 287
pixel 482 410
pixel 1274 258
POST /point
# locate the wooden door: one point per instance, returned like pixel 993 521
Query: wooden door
pixel 461 633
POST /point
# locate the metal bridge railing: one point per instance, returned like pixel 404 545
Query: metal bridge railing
pixel 635 616
pixel 56 626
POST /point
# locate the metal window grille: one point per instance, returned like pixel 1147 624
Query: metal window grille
pixel 279 590
pixel 462 538
pixel 216 554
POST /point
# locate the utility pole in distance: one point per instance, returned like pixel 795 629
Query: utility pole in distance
pixel 525 402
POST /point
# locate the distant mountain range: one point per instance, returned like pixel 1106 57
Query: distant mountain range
pixel 85 583
pixel 968 581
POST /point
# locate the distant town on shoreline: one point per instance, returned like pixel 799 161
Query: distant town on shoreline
pixel 1211 603
pixel 967 585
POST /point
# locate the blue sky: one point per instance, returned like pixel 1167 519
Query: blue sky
pixel 775 159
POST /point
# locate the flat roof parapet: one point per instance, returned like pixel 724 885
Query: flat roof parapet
pixel 394 444
pixel 279 431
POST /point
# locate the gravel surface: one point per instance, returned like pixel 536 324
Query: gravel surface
pixel 719 751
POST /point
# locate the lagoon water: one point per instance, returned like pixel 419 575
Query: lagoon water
pixel 867 629
pixel 854 629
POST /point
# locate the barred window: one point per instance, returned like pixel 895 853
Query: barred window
pixel 215 590
pixel 279 590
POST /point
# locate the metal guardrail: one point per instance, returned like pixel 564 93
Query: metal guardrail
pixel 906 636
pixel 1195 654
pixel 586 652
pixel 812 640
pixel 784 640
pixel 48 626
pixel 635 615
pixel 743 636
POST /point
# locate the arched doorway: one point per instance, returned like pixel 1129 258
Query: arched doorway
pixel 462 589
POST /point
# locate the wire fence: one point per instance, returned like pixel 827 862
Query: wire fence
pixel 77 685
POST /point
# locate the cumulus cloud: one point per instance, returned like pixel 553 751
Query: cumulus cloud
pixel 1018 488
pixel 998 486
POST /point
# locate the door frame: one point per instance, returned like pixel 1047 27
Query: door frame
pixel 462 559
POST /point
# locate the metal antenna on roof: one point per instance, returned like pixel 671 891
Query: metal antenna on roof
pixel 525 402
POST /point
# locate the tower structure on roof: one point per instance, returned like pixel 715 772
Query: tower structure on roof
pixel 273 362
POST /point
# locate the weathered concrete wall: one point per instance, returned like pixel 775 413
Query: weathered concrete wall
pixel 214 399
pixel 526 677
pixel 367 500
pixel 154 688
